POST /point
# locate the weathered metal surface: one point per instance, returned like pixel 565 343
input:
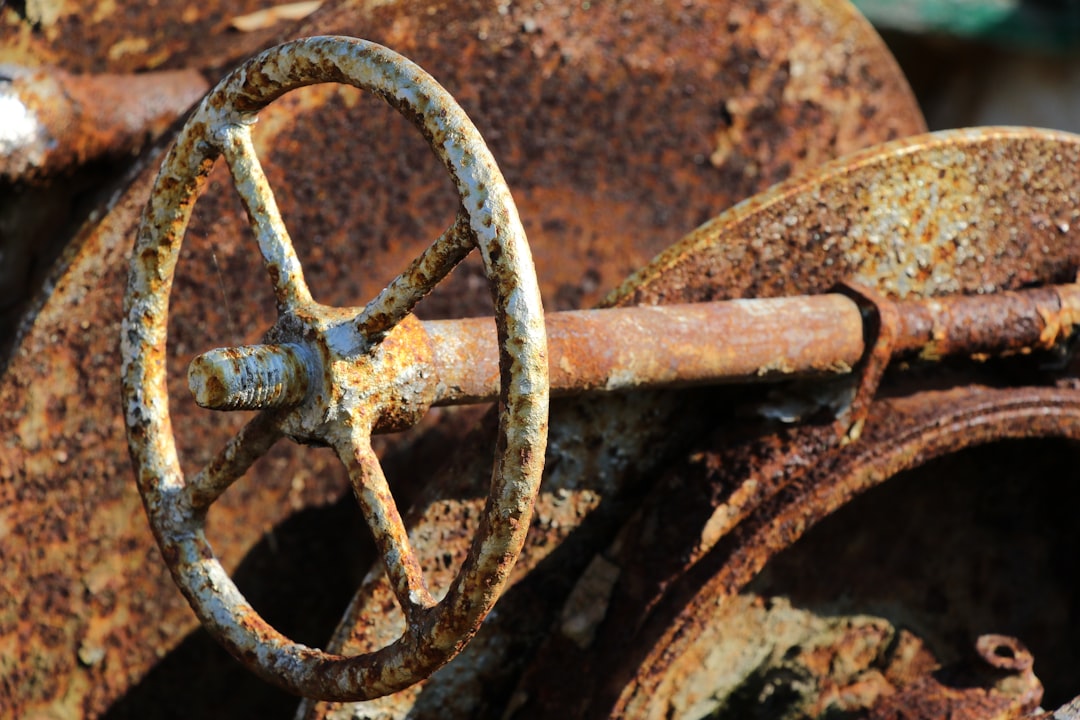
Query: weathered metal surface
pixel 567 119
pixel 791 469
pixel 251 377
pixel 66 464
pixel 84 86
pixel 768 657
pixel 999 683
pixel 650 347
pixel 100 36
pixel 769 247
pixel 274 14
pixel 964 544
pixel 633 123
pixel 672 346
pixel 1069 711
pixel 598 350
pixel 55 121
pixel 851 408
pixel 650 619
pixel 1017 244
pixel 749 500
pixel 1007 322
pixel 968 543
pixel 938 214
pixel 365 375
pixel 62 138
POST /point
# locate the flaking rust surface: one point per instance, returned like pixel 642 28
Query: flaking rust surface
pixel 901 434
pixel 708 540
pixel 618 128
pixel 632 123
pixel 959 211
pixel 613 124
pixel 989 530
pixel 364 372
pixel 106 36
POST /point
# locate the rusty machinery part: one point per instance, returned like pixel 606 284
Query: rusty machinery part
pixel 971 211
pixel 663 346
pixel 56 121
pixel 774 88
pixel 979 214
pixel 362 360
pixel 901 433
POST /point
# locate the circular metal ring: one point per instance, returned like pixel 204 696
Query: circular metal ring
pixel 176 506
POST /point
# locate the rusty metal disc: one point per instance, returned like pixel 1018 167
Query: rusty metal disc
pixel 619 127
pixel 957 211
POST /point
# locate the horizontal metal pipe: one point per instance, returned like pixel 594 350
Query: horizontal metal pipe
pixel 660 346
pixel 730 341
pixel 747 340
pixel 1000 324
pixel 54 121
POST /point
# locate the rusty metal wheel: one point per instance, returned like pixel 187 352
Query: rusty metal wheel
pixel 333 376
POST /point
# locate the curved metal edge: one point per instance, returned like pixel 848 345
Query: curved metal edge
pixel 977 419
pixel 912 216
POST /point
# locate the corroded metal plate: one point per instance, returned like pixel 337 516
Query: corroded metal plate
pixel 618 128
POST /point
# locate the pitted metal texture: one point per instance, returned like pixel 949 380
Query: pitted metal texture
pixel 605 159
pixel 361 363
pixel 610 161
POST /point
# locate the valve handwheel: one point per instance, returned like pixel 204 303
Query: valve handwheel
pixel 332 375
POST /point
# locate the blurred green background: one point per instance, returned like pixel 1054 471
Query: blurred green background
pixel 987 62
pixel 1042 25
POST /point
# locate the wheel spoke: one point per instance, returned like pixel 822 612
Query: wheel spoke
pixel 342 414
pixel 377 504
pixel 399 297
pixel 232 461
pixel 281 261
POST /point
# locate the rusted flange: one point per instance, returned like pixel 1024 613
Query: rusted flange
pixel 344 405
pixel 900 434
pixel 880 326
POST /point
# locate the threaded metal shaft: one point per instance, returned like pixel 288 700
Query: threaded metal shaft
pixel 250 377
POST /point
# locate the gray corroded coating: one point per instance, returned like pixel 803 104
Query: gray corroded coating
pixel 361 368
pixel 250 377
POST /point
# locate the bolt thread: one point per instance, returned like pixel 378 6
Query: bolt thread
pixel 249 377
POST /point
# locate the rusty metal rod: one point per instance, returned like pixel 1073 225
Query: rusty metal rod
pixel 999 324
pixel 680 345
pixel 746 340
pixel 53 121
pixel 660 346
